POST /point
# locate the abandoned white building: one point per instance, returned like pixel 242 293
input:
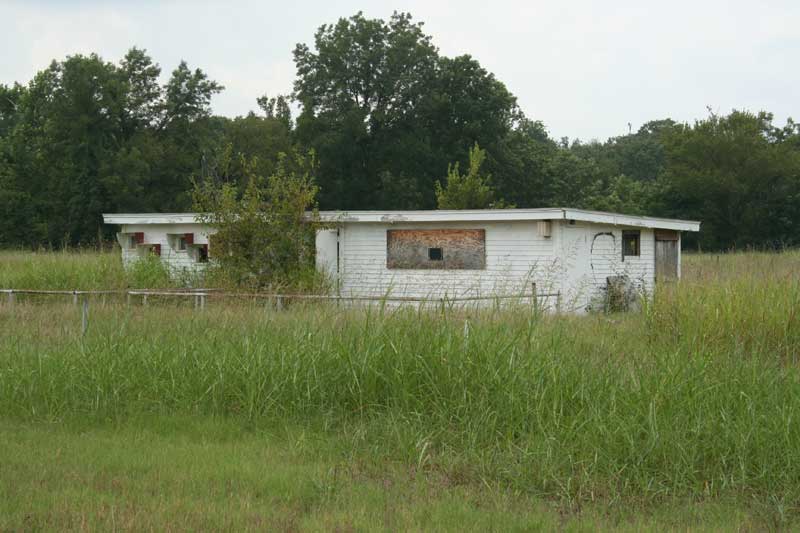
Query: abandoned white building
pixel 567 254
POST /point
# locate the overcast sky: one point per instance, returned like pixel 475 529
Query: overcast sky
pixel 586 69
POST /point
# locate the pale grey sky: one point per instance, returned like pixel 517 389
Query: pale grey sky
pixel 586 69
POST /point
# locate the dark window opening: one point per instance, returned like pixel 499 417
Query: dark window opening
pixel 435 254
pixel 630 244
pixel 202 254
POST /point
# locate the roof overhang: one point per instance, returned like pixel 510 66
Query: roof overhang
pixel 442 215
pixel 615 219
pixel 507 215
pixel 150 218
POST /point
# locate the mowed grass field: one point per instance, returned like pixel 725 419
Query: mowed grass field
pixel 241 416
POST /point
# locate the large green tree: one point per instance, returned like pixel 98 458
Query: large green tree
pixel 379 105
pixel 87 136
pixel 740 175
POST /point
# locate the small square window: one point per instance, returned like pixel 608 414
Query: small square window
pixel 435 254
pixel 630 244
pixel 181 244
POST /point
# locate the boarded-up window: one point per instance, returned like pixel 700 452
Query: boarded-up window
pixel 444 249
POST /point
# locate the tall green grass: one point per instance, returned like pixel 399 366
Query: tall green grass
pixel 102 270
pixel 79 270
pixel 698 396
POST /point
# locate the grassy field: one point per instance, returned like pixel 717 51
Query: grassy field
pixel 241 416
pixel 77 270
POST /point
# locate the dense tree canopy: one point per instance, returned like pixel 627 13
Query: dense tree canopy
pixel 387 116
pixel 379 105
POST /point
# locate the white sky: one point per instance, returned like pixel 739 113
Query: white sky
pixel 586 69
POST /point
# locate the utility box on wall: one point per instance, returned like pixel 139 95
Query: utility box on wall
pixel 545 228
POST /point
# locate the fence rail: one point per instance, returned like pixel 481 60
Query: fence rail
pixel 200 295
pixel 219 293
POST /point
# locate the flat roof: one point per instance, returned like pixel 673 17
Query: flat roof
pixel 442 215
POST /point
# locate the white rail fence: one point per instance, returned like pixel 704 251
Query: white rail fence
pixel 200 296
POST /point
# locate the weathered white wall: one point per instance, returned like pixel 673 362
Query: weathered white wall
pixel 592 252
pixel 575 261
pixel 178 261
pixel 516 257
pixel 327 244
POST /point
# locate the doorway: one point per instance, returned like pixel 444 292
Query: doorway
pixel 667 249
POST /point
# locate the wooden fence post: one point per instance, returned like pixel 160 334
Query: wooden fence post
pixel 75 297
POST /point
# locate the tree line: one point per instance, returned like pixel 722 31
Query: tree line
pixel 390 122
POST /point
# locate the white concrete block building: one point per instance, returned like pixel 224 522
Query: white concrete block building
pixel 568 254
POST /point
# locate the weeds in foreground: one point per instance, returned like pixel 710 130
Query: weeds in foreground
pixel 697 396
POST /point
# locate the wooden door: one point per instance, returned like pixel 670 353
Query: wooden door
pixel 666 255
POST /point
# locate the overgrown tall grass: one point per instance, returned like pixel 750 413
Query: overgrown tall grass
pixel 698 396
pixel 102 270
pixel 79 270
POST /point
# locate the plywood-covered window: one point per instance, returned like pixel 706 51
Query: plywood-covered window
pixel 431 249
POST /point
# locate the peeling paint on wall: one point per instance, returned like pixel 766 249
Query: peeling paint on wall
pixel 436 249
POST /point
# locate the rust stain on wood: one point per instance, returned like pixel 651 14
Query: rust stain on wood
pixel 461 249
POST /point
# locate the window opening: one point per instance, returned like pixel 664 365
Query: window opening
pixel 435 254
pixel 631 241
pixel 202 254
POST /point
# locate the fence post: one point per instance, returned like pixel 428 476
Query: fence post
pixel 128 298
pixel 279 303
pixel 11 297
pixel 75 297
pixel 144 299
pixel 202 301
pixel 535 298
pixel 85 315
